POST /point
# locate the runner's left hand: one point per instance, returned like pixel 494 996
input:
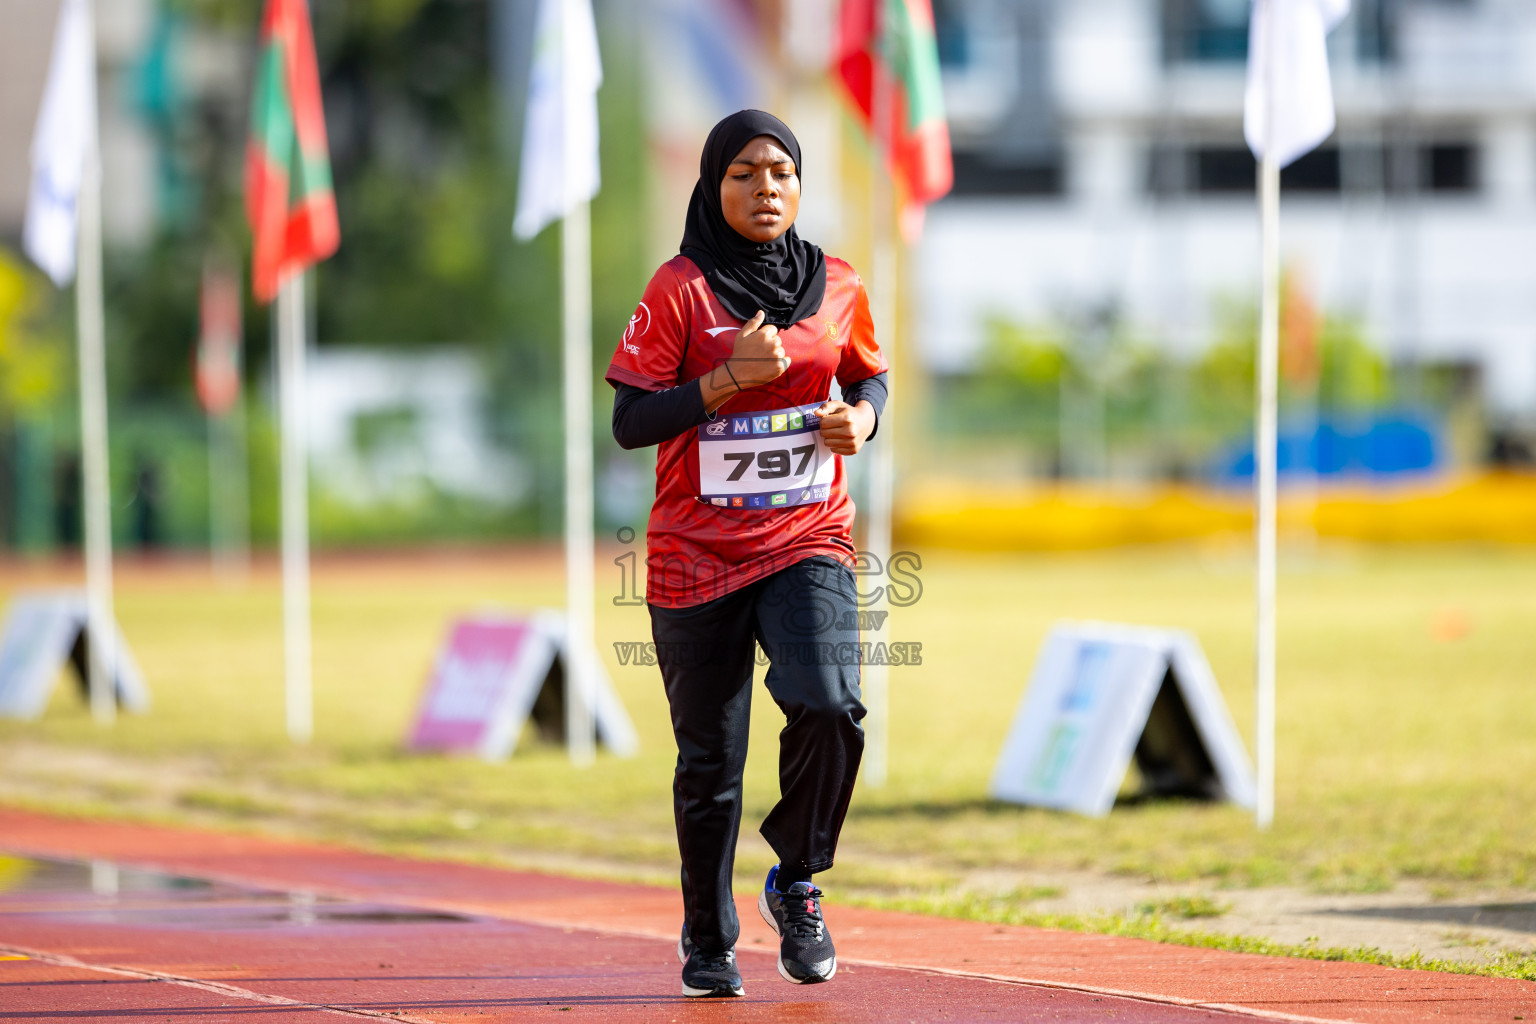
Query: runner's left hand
pixel 846 427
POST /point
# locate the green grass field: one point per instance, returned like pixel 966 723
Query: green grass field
pixel 1406 715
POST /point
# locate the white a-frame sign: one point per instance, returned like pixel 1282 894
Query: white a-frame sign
pixel 496 672
pixel 43 632
pixel 1103 694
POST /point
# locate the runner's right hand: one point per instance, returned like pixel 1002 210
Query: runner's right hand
pixel 758 355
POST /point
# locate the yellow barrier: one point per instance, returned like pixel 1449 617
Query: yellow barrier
pixel 1497 507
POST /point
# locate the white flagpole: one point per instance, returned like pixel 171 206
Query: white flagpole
pixel 299 698
pixel 882 474
pixel 576 331
pixel 62 234
pixel 882 469
pixel 1265 443
pixel 229 471
pixel 102 645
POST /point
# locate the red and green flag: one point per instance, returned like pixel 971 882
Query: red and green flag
pixel 889 45
pixel 288 196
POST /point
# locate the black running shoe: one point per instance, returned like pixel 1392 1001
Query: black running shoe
pixel 707 975
pixel 806 955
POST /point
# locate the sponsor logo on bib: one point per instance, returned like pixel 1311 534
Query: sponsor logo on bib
pixel 774 459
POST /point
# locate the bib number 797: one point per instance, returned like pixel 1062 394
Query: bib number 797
pixel 773 459
pixel 772 464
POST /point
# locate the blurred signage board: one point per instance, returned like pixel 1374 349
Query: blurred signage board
pixel 1103 695
pixel 43 632
pixel 497 672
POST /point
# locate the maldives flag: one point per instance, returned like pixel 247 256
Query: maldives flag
pixel 889 45
pixel 288 195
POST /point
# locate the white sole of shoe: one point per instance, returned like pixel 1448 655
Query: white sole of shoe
pixel 701 993
pixel 762 908
pixel 796 981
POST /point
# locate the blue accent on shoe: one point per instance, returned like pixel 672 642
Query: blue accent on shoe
pixel 806 953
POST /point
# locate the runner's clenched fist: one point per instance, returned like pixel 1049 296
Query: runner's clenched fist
pixel 758 355
pixel 846 427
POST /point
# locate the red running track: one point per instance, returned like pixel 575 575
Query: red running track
pixel 296 932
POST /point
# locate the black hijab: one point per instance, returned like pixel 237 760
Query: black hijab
pixel 785 278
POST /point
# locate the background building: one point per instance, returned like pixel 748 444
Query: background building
pixel 1100 165
pixel 132 79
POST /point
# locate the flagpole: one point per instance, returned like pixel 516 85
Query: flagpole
pixel 101 643
pixel 298 692
pixel 228 454
pixel 882 464
pixel 576 330
pixel 1265 444
pixel 576 322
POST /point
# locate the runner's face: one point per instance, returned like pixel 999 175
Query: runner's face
pixel 760 195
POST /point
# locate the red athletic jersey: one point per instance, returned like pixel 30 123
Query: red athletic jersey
pixel 697 552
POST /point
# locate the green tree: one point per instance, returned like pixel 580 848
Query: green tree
pixel 32 357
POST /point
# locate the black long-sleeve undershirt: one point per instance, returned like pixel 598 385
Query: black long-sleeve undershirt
pixel 642 418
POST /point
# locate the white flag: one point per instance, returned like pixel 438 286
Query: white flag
pixel 1295 88
pixel 559 121
pixel 63 145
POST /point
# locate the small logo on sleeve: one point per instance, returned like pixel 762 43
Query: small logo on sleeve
pixel 638 325
pixel 832 329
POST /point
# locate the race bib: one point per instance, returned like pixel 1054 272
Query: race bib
pixel 772 459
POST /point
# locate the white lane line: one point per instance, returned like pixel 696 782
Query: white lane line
pixel 215 987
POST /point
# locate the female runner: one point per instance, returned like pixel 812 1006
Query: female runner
pixel 728 365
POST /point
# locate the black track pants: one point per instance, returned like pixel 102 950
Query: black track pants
pixel 805 619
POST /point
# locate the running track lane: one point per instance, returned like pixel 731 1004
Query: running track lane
pixel 551 935
pixel 492 971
